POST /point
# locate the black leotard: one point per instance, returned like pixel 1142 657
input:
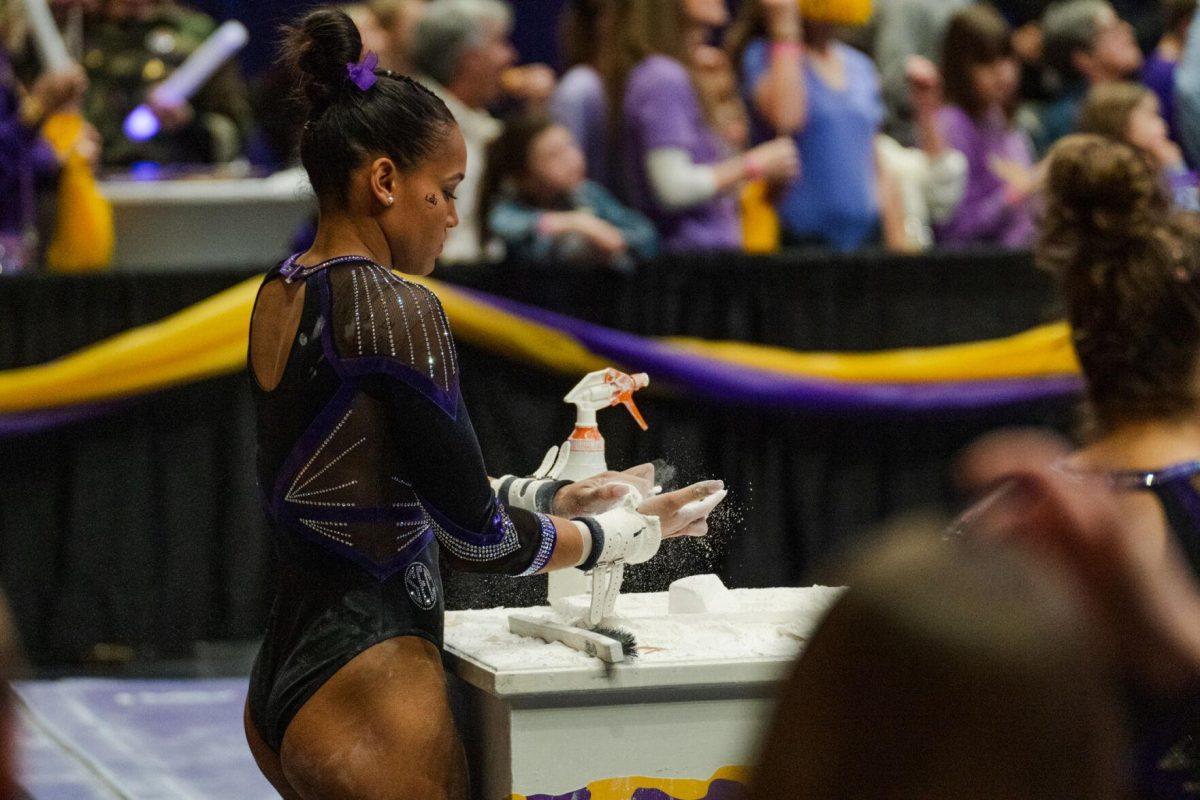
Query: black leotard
pixel 367 465
pixel 1165 740
pixel 1176 492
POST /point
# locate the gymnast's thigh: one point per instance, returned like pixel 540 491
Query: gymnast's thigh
pixel 380 728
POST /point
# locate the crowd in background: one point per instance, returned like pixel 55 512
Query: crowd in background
pixel 675 125
pixel 1051 648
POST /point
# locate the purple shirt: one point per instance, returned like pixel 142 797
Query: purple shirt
pixel 25 158
pixel 1158 75
pixel 661 110
pixel 984 216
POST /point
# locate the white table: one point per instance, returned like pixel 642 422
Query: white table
pixel 544 719
pixel 207 223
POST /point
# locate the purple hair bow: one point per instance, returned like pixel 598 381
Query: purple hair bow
pixel 363 74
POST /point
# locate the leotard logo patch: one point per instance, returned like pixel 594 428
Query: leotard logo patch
pixel 422 589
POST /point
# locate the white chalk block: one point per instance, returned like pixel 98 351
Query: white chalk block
pixel 698 594
pixel 572 606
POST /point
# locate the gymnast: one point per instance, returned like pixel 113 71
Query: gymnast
pixel 1128 269
pixel 367 460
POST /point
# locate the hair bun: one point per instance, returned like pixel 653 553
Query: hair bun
pixel 318 48
pixel 1106 186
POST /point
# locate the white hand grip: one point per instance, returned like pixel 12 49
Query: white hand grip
pixel 606 586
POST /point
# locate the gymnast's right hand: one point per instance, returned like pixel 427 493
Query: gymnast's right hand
pixel 685 512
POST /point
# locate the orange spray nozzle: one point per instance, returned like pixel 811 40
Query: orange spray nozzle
pixel 625 385
pixel 626 400
pixel 604 389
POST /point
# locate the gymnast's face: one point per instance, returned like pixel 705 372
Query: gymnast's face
pixel 417 223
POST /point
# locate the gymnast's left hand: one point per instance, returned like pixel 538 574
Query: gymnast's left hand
pixel 602 492
pixel 685 512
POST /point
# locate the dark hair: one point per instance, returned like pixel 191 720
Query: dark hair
pixel 1108 107
pixel 643 29
pixel 507 157
pixel 749 24
pixel 581 31
pixel 397 117
pixel 976 36
pixel 1179 14
pixel 1070 26
pixel 1129 277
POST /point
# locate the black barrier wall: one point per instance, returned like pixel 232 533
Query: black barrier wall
pixel 142 528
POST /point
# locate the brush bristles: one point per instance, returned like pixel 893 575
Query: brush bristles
pixel 626 638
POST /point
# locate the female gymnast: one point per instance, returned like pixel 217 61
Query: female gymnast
pixel 367 461
pixel 1128 268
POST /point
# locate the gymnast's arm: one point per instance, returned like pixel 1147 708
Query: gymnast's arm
pixel 478 533
pixel 393 337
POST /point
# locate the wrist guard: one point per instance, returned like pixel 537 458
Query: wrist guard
pixel 529 494
pixel 622 534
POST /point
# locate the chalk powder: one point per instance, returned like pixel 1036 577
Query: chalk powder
pixel 790 616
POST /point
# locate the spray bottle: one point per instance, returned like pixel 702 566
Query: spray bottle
pixel 582 455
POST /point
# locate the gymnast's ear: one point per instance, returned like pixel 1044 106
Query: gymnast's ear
pixel 385 181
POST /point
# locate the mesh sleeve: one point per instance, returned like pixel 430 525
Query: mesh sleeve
pixel 383 324
pixel 393 338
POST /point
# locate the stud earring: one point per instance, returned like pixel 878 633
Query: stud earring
pixel 391 200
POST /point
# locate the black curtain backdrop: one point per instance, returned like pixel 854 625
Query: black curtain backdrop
pixel 142 528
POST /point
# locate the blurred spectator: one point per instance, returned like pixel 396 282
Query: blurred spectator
pixel 905 28
pixel 1137 590
pixel 1159 70
pixel 399 18
pixel 537 199
pixel 1129 113
pixel 981 91
pixel 929 180
pixel 1085 44
pixel 132 46
pixel 579 101
pixel 1187 96
pixel 675 165
pixel 375 37
pixel 26 159
pixel 717 83
pixel 949 670
pixel 461 50
pixel 69 14
pixel 826 95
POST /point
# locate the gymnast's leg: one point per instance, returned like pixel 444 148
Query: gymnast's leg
pixel 266 758
pixel 379 729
